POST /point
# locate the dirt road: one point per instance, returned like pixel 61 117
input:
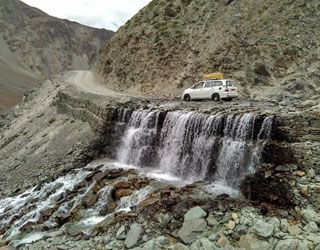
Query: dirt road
pixel 90 82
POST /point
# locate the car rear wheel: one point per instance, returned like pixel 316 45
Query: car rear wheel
pixel 215 97
pixel 187 98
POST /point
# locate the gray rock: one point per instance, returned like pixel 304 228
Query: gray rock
pixel 134 235
pixel 303 245
pixel 289 244
pixel 150 245
pixel 164 219
pixel 284 225
pixel 191 229
pixel 195 213
pixel 294 230
pixel 311 173
pixel 180 246
pixel 241 229
pixel 121 234
pixel 251 242
pixel 309 215
pixel 311 227
pixel 106 239
pixel 162 240
pixel 263 229
pixel 145 238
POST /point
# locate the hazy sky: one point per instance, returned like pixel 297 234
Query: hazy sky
pixel 109 14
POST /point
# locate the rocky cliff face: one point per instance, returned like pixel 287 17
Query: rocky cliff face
pixel 34 45
pixel 271 48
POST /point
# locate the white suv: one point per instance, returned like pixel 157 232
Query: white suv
pixel 215 89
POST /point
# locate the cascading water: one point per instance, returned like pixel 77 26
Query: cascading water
pixel 220 148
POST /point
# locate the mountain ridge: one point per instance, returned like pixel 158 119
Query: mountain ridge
pixel 35 45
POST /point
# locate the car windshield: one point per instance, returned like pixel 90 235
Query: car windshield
pixel 231 84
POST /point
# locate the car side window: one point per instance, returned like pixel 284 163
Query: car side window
pixel 208 84
pixel 199 85
pixel 217 83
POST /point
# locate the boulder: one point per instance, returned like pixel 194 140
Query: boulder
pixel 134 235
pixel 195 213
pixel 164 219
pixel 231 225
pixel 310 215
pixel 263 229
pixel 311 227
pixel 122 192
pixel 121 184
pixel 289 244
pixel 191 229
pixel 252 242
pixel 121 233
pixel 294 230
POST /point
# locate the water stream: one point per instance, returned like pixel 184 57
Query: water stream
pixel 194 147
pixel 174 147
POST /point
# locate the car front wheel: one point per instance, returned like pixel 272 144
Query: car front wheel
pixel 187 98
pixel 216 97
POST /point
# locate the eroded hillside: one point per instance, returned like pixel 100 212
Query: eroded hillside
pixel 270 47
pixel 34 45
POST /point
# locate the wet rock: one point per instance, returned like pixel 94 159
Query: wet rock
pixel 103 225
pixel 90 199
pixel 122 193
pixel 149 201
pixel 134 235
pixel 251 242
pixel 121 184
pixel 273 189
pixel 311 227
pixel 294 230
pixel 191 229
pixel 289 244
pixel 195 213
pixel 263 229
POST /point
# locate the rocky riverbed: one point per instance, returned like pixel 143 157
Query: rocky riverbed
pixel 57 201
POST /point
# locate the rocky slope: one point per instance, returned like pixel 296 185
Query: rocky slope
pixel 34 45
pixel 271 48
pixel 55 199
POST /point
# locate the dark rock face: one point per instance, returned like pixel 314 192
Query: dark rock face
pixel 268 186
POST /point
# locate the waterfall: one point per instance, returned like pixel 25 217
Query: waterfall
pixel 195 147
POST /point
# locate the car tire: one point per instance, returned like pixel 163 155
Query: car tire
pixel 215 97
pixel 187 98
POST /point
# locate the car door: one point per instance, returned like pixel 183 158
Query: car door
pixel 197 90
pixel 208 89
pixel 218 87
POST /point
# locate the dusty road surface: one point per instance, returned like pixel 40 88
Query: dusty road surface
pixel 89 81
